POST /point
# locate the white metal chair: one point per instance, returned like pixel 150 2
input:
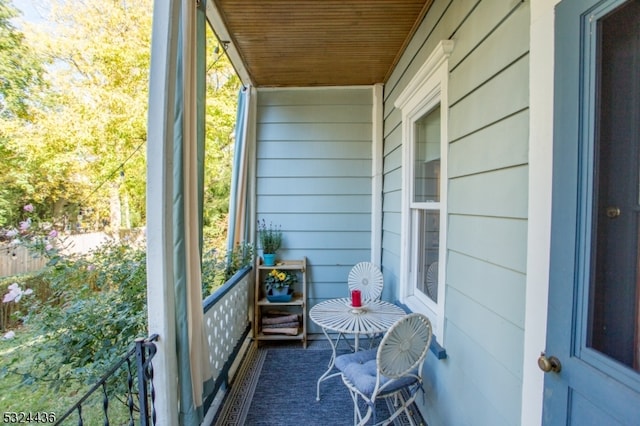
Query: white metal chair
pixel 366 277
pixel 396 365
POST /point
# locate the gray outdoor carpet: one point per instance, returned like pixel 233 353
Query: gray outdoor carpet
pixel 276 386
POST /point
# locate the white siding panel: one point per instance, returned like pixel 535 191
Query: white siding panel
pixel 505 94
pixel 493 54
pixel 393 125
pixel 314 131
pixel 497 336
pixel 393 201
pixel 393 160
pixel 341 149
pixel 495 193
pixel 343 240
pixel 392 181
pixel 323 291
pixel 392 222
pixel 309 113
pixel 333 274
pixel 327 257
pixel 487 17
pixel 320 96
pixel 476 153
pixel 490 392
pixel 321 222
pixel 314 168
pixel 389 238
pixel 441 23
pixel 313 185
pixel 317 204
pixel 393 131
pixel 499 241
pixel 393 141
pixel 497 289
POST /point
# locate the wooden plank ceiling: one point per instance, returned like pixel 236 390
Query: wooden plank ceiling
pixel 320 42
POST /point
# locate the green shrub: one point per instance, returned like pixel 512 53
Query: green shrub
pixel 218 267
pixel 95 310
pixel 89 309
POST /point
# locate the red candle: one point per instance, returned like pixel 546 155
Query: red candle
pixel 356 298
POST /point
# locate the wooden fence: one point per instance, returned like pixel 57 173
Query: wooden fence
pixel 16 260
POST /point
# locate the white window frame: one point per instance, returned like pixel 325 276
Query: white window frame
pixel 428 88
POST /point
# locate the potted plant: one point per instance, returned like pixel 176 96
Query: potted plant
pixel 279 285
pixel 270 241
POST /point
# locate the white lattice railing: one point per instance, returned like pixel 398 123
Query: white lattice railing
pixel 226 320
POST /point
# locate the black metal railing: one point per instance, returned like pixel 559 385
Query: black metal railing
pixel 136 366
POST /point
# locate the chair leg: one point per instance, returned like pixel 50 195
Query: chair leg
pixel 367 416
pixel 356 411
pixel 403 407
pixel 358 419
pixel 409 416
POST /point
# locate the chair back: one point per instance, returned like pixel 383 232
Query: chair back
pixel 404 347
pixel 366 277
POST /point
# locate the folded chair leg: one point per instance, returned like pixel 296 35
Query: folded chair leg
pixel 401 408
pixel 358 420
pixel 409 416
pixel 365 419
pixel 356 412
pixel 357 416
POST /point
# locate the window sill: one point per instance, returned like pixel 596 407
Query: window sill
pixel 434 347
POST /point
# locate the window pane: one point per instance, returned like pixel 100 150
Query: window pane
pixel 428 224
pixel 426 166
pixel 614 313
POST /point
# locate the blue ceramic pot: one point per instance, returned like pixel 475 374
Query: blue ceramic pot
pixel 269 259
pixel 280 294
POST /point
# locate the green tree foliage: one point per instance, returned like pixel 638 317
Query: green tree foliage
pixel 218 267
pixel 222 95
pixel 88 120
pixel 100 53
pixel 82 150
pixel 20 81
pixel 20 69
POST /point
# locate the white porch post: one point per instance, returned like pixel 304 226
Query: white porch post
pixel 539 216
pixel 376 173
pixel 160 294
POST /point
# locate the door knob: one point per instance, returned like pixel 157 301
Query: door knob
pixel 549 364
pixel 613 212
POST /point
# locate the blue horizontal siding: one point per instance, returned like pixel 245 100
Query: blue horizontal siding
pixel 487 205
pixel 314 176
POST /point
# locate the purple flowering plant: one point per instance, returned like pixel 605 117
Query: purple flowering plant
pixel 39 237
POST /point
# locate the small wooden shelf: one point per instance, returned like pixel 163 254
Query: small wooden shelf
pixel 296 300
pixel 299 336
pixel 297 305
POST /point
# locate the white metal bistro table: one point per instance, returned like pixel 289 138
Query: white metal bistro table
pixel 337 315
